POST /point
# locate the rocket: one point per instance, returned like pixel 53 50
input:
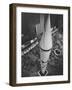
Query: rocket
pixel 45 44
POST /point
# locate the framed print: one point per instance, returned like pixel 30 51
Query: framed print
pixel 39 44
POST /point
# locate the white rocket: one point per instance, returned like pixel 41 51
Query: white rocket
pixel 45 43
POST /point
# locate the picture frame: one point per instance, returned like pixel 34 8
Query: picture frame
pixel 39 44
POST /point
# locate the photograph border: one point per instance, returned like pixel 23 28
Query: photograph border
pixel 12 41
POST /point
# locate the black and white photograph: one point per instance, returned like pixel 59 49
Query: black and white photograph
pixel 40 45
